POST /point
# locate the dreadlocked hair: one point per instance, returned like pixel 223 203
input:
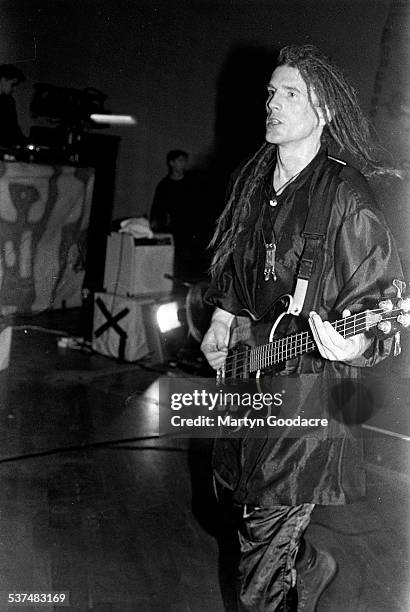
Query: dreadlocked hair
pixel 346 126
pixel 238 206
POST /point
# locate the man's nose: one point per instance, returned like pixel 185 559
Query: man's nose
pixel 273 101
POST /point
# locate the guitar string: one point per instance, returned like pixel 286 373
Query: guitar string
pixel 260 359
pixel 296 341
pixel 291 342
pixel 294 338
pixel 274 352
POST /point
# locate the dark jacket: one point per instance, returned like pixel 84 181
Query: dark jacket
pixel 358 263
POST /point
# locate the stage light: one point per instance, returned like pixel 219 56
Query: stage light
pixel 167 317
pixel 113 119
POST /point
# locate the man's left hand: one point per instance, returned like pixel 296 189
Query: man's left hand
pixel 332 345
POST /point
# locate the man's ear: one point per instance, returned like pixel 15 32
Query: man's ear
pixel 325 116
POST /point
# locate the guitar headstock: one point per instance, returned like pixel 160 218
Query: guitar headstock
pixel 394 315
pixel 394 310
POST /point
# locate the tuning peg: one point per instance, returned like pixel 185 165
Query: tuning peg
pixel 386 305
pixel 396 344
pixel 404 304
pixel 404 319
pixel 384 326
pixel 400 287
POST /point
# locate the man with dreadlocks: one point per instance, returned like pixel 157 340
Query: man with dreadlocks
pixel 259 243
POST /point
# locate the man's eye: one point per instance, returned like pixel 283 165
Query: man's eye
pixel 292 94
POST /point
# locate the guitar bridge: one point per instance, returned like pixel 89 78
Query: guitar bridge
pixel 220 376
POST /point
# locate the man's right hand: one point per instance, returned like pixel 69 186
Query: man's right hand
pixel 215 342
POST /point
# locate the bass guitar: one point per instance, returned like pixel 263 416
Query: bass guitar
pixel 243 360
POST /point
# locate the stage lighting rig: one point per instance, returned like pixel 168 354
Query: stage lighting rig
pixel 73 107
pixel 68 113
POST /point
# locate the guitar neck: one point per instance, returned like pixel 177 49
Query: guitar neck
pixel 267 355
pixel 244 360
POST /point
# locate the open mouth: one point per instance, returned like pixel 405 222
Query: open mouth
pixel 272 121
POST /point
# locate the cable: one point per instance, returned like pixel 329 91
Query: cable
pixel 174 449
pixel 58 332
pixel 81 447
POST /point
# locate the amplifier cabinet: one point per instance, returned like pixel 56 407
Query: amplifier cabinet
pixel 125 328
pixel 138 266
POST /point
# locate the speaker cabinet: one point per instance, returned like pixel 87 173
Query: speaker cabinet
pixel 136 267
pixel 126 329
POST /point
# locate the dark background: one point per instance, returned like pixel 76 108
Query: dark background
pixel 192 72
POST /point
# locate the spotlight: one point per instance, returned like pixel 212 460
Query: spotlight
pixel 167 317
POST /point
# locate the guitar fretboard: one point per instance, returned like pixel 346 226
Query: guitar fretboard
pixel 244 361
pixel 295 345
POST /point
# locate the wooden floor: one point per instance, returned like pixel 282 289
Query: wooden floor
pixel 132 525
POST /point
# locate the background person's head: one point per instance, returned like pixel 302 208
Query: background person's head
pixel 177 161
pixel 10 78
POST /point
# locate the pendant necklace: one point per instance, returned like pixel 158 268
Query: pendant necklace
pixel 270 254
pixel 270 247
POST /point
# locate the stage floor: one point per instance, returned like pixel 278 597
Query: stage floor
pixel 93 504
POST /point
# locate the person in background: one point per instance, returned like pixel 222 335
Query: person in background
pixel 10 132
pixel 175 210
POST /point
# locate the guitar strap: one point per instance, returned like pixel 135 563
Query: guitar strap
pixel 322 191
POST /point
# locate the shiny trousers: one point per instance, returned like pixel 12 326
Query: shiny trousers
pixel 269 540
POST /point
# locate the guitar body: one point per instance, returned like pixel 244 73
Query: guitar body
pixel 280 310
pixel 243 331
pixel 246 334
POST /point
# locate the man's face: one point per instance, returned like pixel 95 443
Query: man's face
pixel 8 86
pixel 179 164
pixel 291 119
